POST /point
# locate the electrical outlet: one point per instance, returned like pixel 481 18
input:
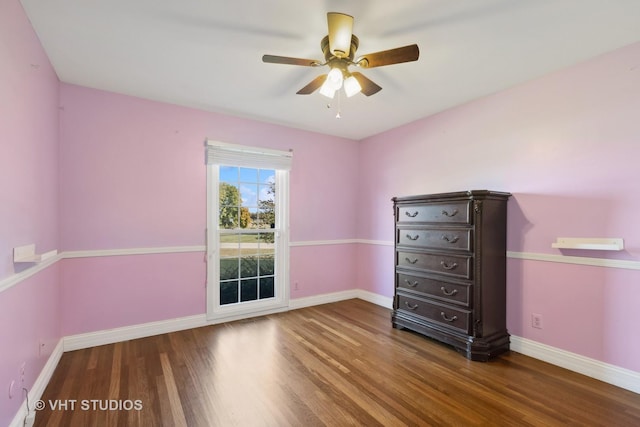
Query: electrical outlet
pixel 536 321
pixel 22 367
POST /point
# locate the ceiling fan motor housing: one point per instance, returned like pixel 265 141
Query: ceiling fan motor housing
pixel 328 55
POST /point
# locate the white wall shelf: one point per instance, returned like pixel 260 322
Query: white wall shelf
pixel 597 244
pixel 27 253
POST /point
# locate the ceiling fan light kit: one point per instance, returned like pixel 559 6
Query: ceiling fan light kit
pixel 339 48
pixel 340 78
pixel 334 79
pixel 351 86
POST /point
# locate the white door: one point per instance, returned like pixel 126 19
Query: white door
pixel 247 241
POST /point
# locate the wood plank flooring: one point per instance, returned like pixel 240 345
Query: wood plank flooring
pixel 338 364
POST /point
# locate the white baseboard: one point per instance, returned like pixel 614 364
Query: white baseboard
pixel 386 302
pixel 382 301
pixel 615 375
pixel 39 385
pixel 295 304
pixel 110 336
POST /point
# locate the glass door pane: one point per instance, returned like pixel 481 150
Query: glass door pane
pixel 247 234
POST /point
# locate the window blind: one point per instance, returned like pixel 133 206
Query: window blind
pixel 221 153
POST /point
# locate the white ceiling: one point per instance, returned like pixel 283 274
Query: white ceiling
pixel 207 54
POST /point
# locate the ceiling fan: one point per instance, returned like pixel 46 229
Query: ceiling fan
pixel 339 48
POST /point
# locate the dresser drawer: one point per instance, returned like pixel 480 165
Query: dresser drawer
pixel 456 293
pixel 451 265
pixel 452 212
pixel 446 238
pixel 443 315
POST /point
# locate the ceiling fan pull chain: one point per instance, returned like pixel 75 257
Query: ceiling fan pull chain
pixel 338 116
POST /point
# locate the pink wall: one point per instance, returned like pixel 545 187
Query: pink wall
pixel 29 311
pixel 322 269
pixel 132 172
pixel 110 292
pixel 28 138
pixel 566 147
pixel 132 175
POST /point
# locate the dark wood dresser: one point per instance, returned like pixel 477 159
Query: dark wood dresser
pixel 450 270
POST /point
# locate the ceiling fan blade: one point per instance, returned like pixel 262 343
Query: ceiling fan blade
pixel 340 31
pixel 313 86
pixel 389 57
pixel 273 59
pixel 368 87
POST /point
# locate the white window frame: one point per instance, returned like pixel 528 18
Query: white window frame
pixel 219 153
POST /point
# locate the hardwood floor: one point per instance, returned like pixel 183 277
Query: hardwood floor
pixel 338 364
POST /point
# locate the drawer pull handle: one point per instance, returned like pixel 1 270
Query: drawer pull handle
pixel 411 215
pixel 448 293
pixel 411 284
pixel 450 239
pixel 409 306
pixel 448 319
pixel 414 238
pixel 409 261
pixel 446 213
pixel 448 266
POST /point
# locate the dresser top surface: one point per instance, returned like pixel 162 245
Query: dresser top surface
pixel 457 195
